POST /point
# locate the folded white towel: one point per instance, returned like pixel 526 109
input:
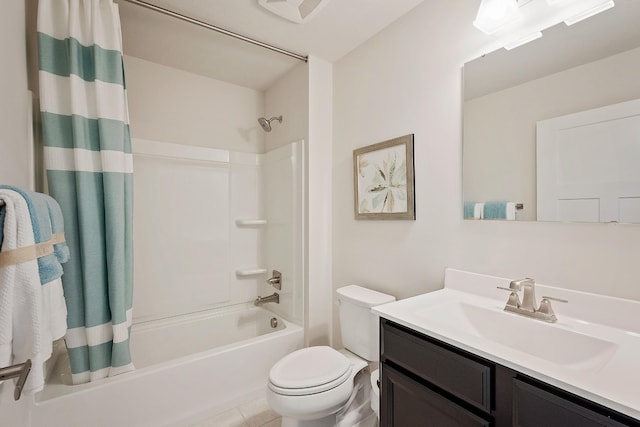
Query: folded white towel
pixel 21 311
pixel 511 211
pixel 478 211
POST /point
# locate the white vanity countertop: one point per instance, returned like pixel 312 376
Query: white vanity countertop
pixel 593 350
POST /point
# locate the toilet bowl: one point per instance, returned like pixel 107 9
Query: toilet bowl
pixel 375 393
pixel 320 386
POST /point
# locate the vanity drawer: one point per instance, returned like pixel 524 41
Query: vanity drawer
pixel 463 376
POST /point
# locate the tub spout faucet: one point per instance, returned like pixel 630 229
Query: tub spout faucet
pixel 271 298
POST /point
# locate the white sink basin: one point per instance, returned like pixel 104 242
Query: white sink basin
pixel 536 338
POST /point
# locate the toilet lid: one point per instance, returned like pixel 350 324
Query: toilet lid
pixel 310 368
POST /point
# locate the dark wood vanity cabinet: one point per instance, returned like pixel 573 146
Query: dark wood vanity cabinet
pixel 425 382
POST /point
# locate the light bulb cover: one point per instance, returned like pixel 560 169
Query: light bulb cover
pixel 496 14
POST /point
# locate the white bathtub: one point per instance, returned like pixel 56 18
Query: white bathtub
pixel 188 368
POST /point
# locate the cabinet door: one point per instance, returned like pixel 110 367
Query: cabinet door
pixel 408 403
pixel 534 407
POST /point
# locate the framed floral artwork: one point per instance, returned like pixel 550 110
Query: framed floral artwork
pixel 384 180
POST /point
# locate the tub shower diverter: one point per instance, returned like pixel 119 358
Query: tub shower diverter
pixel 275 280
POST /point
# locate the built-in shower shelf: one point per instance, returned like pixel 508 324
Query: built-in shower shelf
pixel 250 222
pixel 245 272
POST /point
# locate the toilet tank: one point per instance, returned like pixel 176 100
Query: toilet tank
pixel 358 325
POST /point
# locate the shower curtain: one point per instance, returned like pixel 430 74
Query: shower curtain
pixel 89 168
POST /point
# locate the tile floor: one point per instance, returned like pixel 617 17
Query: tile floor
pixel 253 414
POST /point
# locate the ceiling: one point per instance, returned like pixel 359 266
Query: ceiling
pixel 338 28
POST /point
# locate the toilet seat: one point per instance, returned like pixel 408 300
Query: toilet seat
pixel 310 390
pixel 309 371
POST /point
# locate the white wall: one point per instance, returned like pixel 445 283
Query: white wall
pixel 407 79
pixel 289 98
pixel 304 98
pixel 15 147
pixel 500 128
pixel 171 105
pixel 319 237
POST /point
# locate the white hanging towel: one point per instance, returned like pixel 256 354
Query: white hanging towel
pixel 21 323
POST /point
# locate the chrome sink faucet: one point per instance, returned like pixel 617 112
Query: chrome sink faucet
pixel 528 305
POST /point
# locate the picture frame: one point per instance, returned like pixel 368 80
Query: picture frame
pixel 383 178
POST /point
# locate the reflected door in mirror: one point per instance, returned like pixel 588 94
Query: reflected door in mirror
pixel 587 165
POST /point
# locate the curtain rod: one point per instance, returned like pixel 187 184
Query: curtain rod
pixel 217 29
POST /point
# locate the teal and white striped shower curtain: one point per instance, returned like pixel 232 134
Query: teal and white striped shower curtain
pixel 89 171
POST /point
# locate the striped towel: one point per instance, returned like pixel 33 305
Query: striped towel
pixel 57 228
pixel 468 209
pixel 49 267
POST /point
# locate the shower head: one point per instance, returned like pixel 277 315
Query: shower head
pixel 266 124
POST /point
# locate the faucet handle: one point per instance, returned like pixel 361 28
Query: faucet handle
pixel 514 299
pixel 545 307
pixel 554 299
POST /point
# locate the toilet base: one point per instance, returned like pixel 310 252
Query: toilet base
pixel 330 421
pixel 357 412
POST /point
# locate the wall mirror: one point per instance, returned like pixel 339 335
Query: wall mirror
pixel 578 90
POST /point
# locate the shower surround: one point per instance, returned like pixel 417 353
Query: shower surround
pixel 210 225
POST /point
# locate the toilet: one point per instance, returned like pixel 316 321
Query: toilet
pixel 323 387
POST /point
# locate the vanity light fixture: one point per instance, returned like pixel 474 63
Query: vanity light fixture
pixel 587 13
pixel 495 14
pixel 523 40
